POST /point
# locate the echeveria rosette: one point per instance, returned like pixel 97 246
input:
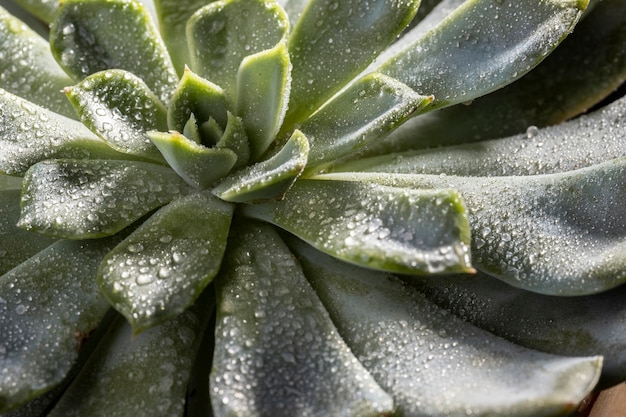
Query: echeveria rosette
pixel 195 149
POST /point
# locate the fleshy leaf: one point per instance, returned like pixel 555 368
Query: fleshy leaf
pixel 48 306
pixel 160 269
pixel 434 364
pixel 91 36
pixel 236 139
pixel 236 29
pixel 268 179
pixel 334 41
pixel 367 111
pixel 554 234
pixel 263 82
pixel 29 134
pixel 120 108
pixel 28 68
pixel 483 46
pixel 86 199
pixel 144 375
pixel 277 353
pixel 16 245
pixel 197 96
pixel 573 326
pixel 173 16
pixel 198 165
pixel 394 229
pixel 587 140
pixel 43 9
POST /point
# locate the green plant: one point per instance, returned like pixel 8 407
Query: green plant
pixel 253 188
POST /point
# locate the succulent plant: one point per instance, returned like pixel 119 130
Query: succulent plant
pixel 311 208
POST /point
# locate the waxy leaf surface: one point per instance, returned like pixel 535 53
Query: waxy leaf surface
pixel 277 352
pixel 162 267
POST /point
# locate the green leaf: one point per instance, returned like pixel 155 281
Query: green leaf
pixel 483 46
pixel 160 269
pixel 394 229
pixel 173 16
pixel 263 81
pixel 141 375
pixel 198 165
pixel 48 306
pixel 549 94
pixel 236 29
pixel 587 140
pixel 42 9
pixel 560 234
pixel 364 113
pixel 86 199
pixel 277 353
pixel 89 36
pixel 28 68
pixel 120 108
pixel 10 183
pixel 268 179
pixel 16 245
pixel 236 139
pixel 197 96
pixel 334 41
pixel 29 134
pixel 431 362
pixel 572 326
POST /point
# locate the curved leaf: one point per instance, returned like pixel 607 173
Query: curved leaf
pixel 28 68
pixel 362 114
pixel 85 199
pixel 483 46
pixel 198 165
pixel 48 306
pixel 144 375
pixel 573 326
pixel 334 41
pixel 554 234
pixel 30 134
pixel 42 9
pixel 434 364
pixel 394 229
pixel 236 29
pixel 16 245
pixel 267 179
pixel 263 82
pixel 235 139
pixel 90 36
pixel 163 266
pixel 119 107
pixel 277 352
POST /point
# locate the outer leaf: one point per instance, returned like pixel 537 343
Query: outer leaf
pixel 29 134
pixel 268 179
pixel 333 42
pixel 263 83
pixel 562 325
pixel 48 306
pixel 585 141
pixel 91 36
pixel 236 28
pixel 482 46
pixel 86 199
pixel 197 96
pixel 16 245
pixel 43 9
pixel 277 353
pixel 548 95
pixel 173 16
pixel 28 68
pixel 119 107
pixel 366 112
pixel 394 229
pixel 198 165
pixel 143 375
pixel 434 364
pixel 163 266
pixel 554 234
